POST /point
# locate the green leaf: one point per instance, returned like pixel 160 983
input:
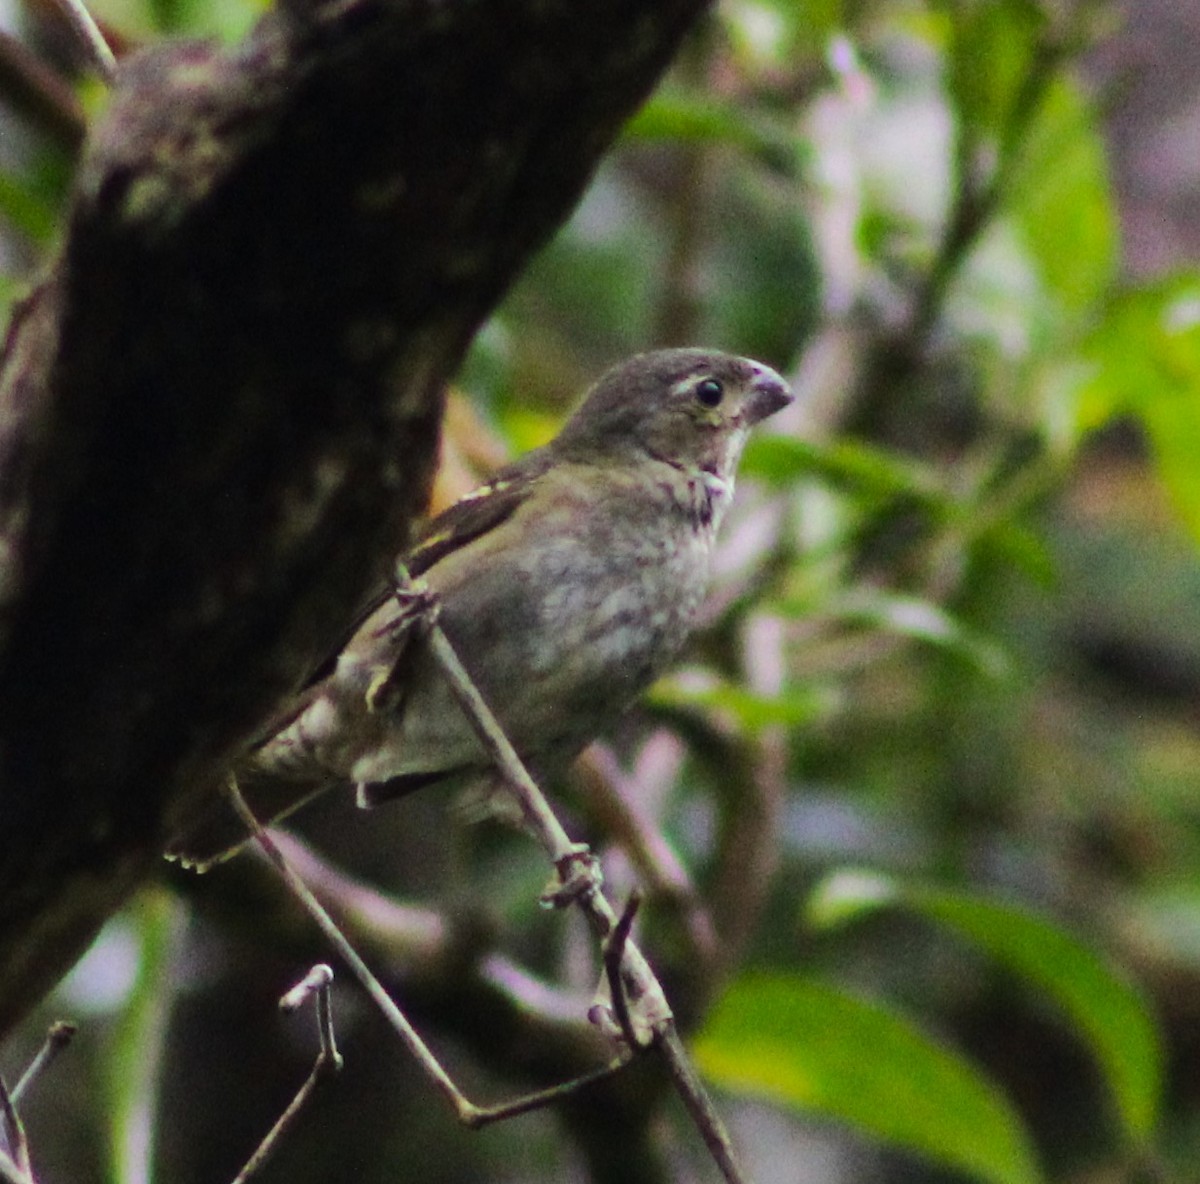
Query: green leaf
pixel 1146 359
pixel 1102 1004
pixel 912 616
pixel 805 1045
pixel 749 710
pixel 700 119
pixel 136 1059
pixel 847 464
pixel 1061 200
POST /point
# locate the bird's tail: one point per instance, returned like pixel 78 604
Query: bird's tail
pixel 216 832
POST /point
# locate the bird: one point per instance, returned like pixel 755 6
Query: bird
pixel 567 584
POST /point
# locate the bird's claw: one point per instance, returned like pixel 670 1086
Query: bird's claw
pixel 417 609
pixel 577 873
pixel 416 603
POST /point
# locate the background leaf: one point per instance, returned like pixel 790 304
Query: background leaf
pixel 1104 1007
pixel 803 1044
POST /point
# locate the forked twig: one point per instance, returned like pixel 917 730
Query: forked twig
pixel 640 988
pixel 467 1111
pixel 639 1013
pixel 328 1062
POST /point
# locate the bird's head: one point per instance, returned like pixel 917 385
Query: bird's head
pixel 690 408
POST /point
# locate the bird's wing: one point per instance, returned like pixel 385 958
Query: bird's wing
pixel 468 519
pixel 472 516
pixel 216 833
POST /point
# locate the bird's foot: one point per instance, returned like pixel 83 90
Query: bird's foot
pixel 577 874
pixel 416 602
pixel 415 614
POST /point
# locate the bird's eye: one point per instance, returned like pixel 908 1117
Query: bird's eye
pixel 710 392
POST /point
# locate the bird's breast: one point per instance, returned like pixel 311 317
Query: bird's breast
pixel 563 632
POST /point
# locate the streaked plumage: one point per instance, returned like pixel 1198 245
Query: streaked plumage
pixel 567 584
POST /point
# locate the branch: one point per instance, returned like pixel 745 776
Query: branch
pixel 638 999
pixel 470 1114
pixel 637 1017
pixel 328 1062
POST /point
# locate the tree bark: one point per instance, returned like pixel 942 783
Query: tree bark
pixel 219 410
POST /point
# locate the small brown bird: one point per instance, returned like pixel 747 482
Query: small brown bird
pixel 566 584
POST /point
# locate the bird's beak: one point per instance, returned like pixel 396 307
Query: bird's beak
pixel 768 394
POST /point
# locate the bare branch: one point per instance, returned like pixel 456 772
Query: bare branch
pixel 467 1111
pixel 316 985
pixel 637 986
pixel 15 1168
pixel 60 1035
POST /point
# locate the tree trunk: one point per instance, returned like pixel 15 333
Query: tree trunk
pixel 219 411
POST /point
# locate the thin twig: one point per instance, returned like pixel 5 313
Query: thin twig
pixel 85 28
pixel 271 1140
pixel 540 1099
pixel 614 958
pixel 564 854
pixel 14 1136
pixel 58 1037
pixel 317 982
pixel 642 988
pixel 10 1173
pixel 328 1062
pixel 699 1105
pixel 468 1113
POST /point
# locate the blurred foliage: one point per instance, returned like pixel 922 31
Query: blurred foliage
pixel 952 639
pixel 801 1043
pixel 1103 1007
